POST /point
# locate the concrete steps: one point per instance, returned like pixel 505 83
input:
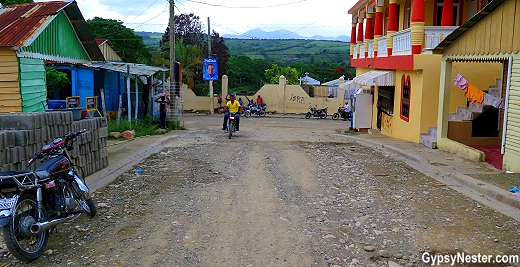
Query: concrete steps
pixel 429 139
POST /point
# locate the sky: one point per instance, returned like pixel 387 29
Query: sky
pixel 328 18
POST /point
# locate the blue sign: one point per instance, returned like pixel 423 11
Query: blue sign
pixel 209 69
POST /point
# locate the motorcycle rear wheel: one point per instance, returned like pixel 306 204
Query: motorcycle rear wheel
pixel 323 115
pixel 308 115
pixel 247 113
pixel 335 116
pixel 23 244
pixel 261 113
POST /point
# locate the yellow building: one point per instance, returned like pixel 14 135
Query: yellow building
pixel 394 49
pixel 477 43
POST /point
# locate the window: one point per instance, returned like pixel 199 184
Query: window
pixel 405 97
pixel 407 14
pixel 385 99
pixel 440 4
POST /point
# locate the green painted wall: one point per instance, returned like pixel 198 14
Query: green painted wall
pixel 32 84
pixel 58 39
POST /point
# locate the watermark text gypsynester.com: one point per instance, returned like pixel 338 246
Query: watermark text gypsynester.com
pixel 463 258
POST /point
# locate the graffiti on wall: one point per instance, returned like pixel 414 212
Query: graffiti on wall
pixel 386 122
pixel 297 99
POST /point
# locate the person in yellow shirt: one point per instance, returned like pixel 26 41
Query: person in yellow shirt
pixel 232 106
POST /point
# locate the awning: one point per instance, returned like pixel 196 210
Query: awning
pixel 123 67
pixel 371 78
pixel 375 78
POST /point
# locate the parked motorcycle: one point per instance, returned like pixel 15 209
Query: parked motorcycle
pixel 339 113
pixel 314 112
pixel 33 202
pixel 254 110
pixel 231 124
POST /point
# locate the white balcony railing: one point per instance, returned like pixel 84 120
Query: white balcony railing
pixel 433 35
pixel 362 50
pixel 402 42
pixel 370 48
pixel 382 48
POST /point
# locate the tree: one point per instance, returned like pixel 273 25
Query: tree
pixel 272 75
pixel 190 58
pixel 13 2
pixel 55 80
pixel 129 44
pixel 188 27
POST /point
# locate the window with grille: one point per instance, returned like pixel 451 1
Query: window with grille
pixel 405 97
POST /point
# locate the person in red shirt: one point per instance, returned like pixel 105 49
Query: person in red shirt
pixel 259 102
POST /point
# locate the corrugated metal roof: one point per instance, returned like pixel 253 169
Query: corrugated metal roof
pixel 468 24
pixel 20 24
pixel 135 69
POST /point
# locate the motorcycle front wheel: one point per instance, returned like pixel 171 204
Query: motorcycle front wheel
pixel 308 115
pixel 247 113
pixel 231 128
pixel 23 244
pixel 87 204
pixel 335 116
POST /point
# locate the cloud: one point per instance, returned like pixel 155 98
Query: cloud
pixel 306 17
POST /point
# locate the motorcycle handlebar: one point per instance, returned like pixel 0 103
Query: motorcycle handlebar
pixel 68 137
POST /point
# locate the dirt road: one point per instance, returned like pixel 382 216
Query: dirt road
pixel 282 192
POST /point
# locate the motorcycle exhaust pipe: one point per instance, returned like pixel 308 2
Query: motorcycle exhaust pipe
pixel 44 226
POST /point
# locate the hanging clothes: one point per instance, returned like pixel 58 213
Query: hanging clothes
pixel 461 82
pixel 473 94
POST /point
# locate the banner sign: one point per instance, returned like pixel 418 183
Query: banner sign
pixel 210 69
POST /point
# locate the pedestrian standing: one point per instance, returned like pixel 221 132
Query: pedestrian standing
pixel 163 100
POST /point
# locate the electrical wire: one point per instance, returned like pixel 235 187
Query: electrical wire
pixel 214 5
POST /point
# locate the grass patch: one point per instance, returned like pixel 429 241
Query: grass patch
pixel 142 127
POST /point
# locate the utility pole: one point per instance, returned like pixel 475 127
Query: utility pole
pixel 173 87
pixel 211 108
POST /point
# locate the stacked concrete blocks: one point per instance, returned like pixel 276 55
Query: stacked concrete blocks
pixel 24 134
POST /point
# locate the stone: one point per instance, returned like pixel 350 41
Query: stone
pixel 115 134
pixel 369 248
pixel 128 134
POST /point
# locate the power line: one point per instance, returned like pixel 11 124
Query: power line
pixel 214 5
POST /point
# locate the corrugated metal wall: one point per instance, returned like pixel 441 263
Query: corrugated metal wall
pixel 9 87
pixel 32 84
pixel 58 39
pixel 109 53
pixel 485 39
pixel 513 119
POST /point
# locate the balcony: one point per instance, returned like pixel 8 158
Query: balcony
pixel 402 41
pixel 433 35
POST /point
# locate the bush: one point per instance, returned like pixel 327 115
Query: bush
pixel 142 127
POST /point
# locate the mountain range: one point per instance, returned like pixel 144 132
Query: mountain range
pixel 282 34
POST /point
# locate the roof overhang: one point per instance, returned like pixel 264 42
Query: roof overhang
pixel 371 78
pixel 466 26
pixel 123 67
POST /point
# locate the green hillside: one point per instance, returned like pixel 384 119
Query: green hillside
pixel 290 51
pixel 151 39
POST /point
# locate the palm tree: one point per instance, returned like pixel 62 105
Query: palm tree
pixel 188 55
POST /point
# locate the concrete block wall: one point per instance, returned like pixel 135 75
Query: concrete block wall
pixel 25 133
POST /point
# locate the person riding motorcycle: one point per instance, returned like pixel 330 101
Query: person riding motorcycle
pixel 232 106
pixel 346 112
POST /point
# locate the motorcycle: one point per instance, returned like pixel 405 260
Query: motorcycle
pixel 33 202
pixel 254 110
pixel 339 113
pixel 231 124
pixel 314 112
